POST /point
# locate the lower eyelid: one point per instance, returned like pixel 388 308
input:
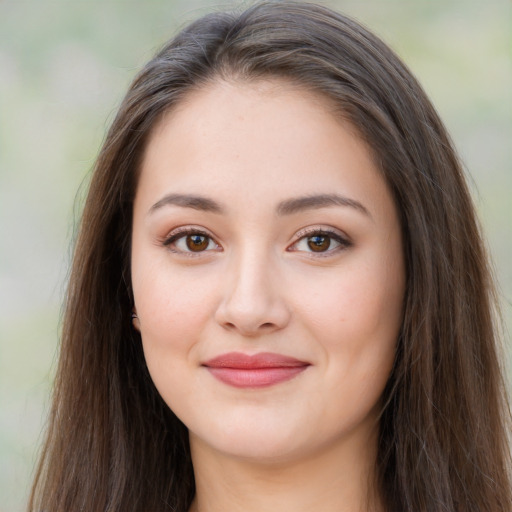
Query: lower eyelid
pixel 334 236
pixel 170 242
pixel 338 246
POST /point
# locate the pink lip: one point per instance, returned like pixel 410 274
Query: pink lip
pixel 254 371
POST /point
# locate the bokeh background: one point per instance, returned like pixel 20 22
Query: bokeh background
pixel 64 67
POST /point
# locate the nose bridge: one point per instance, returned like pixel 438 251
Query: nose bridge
pixel 252 301
pixel 251 273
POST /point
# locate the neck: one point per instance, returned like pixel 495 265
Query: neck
pixel 335 479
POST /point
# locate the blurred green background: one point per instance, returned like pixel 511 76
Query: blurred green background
pixel 64 66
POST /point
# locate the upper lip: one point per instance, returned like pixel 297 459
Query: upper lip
pixel 238 360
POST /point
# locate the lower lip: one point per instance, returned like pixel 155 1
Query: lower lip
pixel 255 377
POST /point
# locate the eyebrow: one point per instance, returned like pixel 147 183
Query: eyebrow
pixel 287 207
pixel 189 201
pixel 299 204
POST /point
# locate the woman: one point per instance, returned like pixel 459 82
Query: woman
pixel 280 298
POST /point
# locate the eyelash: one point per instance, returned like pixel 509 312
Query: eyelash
pixel 344 243
pixel 184 232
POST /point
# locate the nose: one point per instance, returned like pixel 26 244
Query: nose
pixel 252 301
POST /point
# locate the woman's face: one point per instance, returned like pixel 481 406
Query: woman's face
pixel 267 272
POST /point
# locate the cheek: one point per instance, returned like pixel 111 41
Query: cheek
pixel 173 306
pixel 355 304
pixel 358 331
pixel 356 314
pixel 174 314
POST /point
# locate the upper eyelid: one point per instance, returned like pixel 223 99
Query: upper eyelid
pixel 311 230
pixel 175 233
pixel 339 236
pixel 187 230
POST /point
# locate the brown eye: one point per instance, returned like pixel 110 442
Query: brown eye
pixel 319 243
pixel 191 241
pixel 197 243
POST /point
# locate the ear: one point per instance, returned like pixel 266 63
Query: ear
pixel 135 320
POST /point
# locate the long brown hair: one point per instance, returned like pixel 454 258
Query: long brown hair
pixel 113 444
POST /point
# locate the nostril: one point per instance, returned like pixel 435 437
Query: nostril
pixel 251 318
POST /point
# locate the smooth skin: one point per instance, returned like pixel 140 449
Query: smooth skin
pixel 261 224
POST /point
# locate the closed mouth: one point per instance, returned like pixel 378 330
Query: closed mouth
pixel 254 371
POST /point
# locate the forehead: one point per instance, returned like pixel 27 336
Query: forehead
pixel 268 140
pixel 221 105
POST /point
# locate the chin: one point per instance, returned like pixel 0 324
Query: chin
pixel 264 445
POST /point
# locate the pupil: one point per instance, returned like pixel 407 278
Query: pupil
pixel 197 242
pixel 319 243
